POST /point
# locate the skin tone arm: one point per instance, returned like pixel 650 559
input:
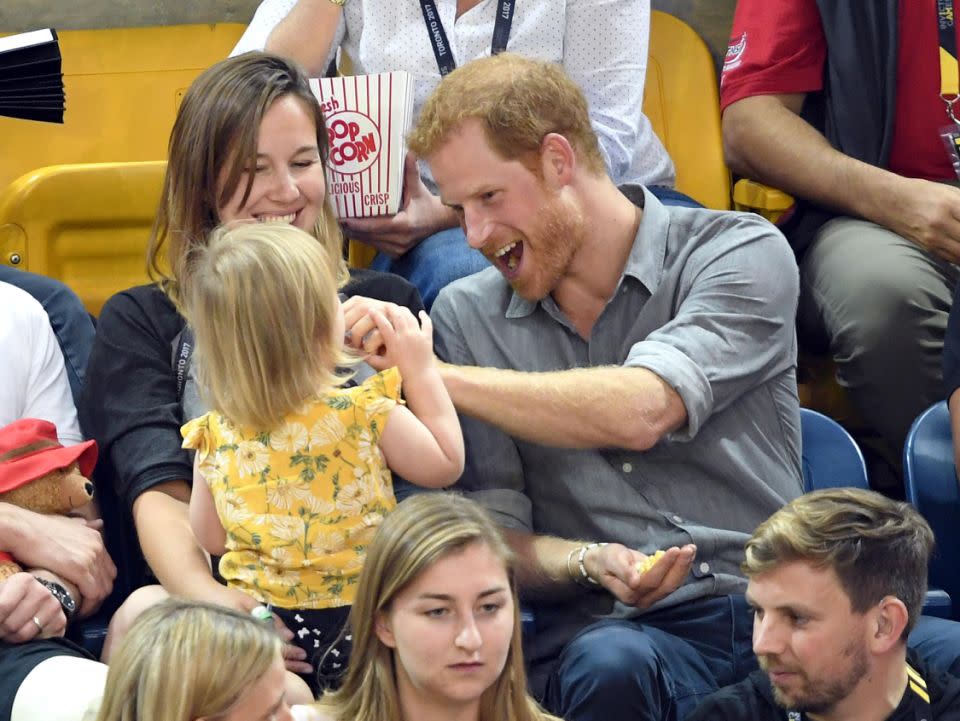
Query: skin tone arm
pixel 70 548
pixel 203 516
pixel 630 408
pixel 306 33
pixel 162 519
pixel 422 442
pixel 807 166
pixel 543 573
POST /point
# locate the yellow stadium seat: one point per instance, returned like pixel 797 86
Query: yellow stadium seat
pixel 123 87
pixel 752 196
pixel 683 105
pixel 86 224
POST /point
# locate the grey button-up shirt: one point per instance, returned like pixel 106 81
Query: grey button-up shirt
pixel 707 301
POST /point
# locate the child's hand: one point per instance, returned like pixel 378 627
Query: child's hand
pixel 408 344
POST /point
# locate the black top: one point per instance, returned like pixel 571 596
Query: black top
pixel 130 404
pixel 752 700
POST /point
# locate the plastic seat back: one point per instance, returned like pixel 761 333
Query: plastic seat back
pixel 683 105
pixel 831 457
pixel 930 479
pixel 86 225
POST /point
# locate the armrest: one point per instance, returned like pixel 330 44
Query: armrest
pixel 751 196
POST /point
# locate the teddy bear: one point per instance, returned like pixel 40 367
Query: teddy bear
pixel 41 475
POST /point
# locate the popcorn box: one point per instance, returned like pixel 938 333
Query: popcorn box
pixel 367 118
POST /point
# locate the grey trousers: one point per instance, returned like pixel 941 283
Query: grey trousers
pixel 879 304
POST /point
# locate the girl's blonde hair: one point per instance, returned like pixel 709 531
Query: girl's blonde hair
pixel 260 298
pixel 185 659
pixel 214 138
pixel 422 530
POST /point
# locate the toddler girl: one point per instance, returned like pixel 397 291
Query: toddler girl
pixel 291 476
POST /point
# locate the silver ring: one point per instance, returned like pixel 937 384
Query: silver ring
pixel 39 625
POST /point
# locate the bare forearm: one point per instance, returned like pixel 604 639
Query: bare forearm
pixel 14 529
pixel 604 407
pixel 542 572
pixel 169 546
pixel 766 140
pixel 429 401
pixel 306 34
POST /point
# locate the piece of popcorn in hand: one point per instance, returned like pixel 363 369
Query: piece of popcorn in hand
pixel 648 563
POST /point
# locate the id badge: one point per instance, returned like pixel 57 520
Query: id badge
pixel 950 135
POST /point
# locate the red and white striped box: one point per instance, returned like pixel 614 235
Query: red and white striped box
pixel 367 118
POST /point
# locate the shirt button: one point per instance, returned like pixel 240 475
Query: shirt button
pixel 677 519
pixel 627 467
pixel 704 567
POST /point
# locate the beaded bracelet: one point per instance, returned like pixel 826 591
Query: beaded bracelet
pixel 582 578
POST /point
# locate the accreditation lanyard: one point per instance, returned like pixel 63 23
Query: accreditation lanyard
pixel 949 67
pixel 438 36
pixel 915 685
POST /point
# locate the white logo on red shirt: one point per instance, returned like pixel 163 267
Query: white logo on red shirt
pixel 735 53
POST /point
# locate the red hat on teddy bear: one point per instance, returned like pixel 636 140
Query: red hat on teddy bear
pixel 29 449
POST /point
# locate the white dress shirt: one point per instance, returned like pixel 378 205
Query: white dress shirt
pixel 602 44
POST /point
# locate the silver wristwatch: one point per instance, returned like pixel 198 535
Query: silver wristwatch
pixel 67 602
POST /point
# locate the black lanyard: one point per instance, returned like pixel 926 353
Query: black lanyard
pixel 948 44
pixel 438 36
pixel 915 685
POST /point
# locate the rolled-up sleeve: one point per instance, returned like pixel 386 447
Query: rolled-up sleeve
pixel 493 473
pixel 734 325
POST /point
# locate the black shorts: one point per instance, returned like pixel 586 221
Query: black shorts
pixel 323 634
pixel 17 660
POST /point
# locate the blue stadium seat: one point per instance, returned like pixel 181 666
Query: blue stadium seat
pixel 930 478
pixel 830 456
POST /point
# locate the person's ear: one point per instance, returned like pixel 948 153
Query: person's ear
pixel 558 160
pixel 384 630
pixel 888 619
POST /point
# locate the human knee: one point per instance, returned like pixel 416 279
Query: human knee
pixel 879 309
pixel 613 657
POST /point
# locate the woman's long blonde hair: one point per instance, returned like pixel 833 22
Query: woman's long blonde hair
pixel 261 299
pixel 186 659
pixel 215 136
pixel 422 530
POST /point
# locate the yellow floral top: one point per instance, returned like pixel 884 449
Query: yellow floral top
pixel 300 503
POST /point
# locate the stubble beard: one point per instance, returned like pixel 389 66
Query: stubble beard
pixel 558 236
pixel 819 696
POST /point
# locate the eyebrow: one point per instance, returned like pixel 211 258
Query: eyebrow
pixel 447 597
pixel 301 149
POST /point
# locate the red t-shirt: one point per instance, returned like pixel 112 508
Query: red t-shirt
pixel 777 46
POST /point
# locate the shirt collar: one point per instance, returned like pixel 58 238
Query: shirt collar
pixel 645 262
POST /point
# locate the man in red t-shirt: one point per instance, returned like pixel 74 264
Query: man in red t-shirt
pixel 877 277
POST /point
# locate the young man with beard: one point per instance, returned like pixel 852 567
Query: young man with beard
pixel 625 375
pixel 837 578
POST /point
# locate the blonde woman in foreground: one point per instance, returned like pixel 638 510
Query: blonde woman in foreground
pixel 192 661
pixel 435 623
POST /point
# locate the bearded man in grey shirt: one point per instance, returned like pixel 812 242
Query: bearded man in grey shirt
pixel 626 381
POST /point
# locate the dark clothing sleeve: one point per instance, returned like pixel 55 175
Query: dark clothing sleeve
pixel 129 402
pixel 951 350
pixel 744 701
pixel 383 286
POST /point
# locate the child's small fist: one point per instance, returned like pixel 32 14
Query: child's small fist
pixel 648 563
